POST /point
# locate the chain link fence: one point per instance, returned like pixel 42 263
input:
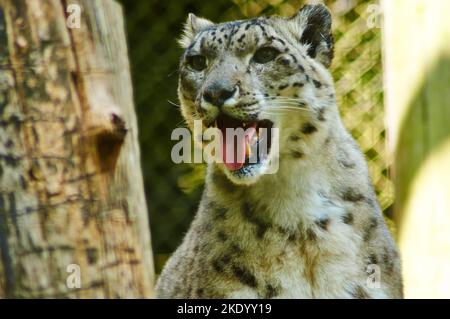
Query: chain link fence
pixel 173 191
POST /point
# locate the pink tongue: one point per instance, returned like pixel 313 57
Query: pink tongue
pixel 236 151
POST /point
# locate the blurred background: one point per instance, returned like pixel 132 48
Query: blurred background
pixel 361 73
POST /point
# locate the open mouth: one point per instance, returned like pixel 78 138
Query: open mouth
pixel 244 143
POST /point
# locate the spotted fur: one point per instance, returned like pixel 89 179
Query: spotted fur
pixel 311 229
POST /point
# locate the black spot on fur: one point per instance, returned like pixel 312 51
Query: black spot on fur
pixel 351 195
pixel 221 263
pixel 321 114
pixel 278 39
pixel 271 291
pixel 235 248
pixel 293 237
pixel 317 84
pixel 92 255
pixel 373 223
pixel 293 58
pixel 311 235
pixel 297 154
pixel 250 215
pixel 220 213
pixel 242 37
pixel 282 87
pixel 323 223
pixel 308 129
pixel 360 293
pixel 298 84
pixel 373 260
pixel 281 230
pixel 244 276
pixel 288 234
pixel 217 211
pixel 295 138
pixel 284 61
pixel 301 68
pixel 348 218
pixel 200 292
pixel 222 236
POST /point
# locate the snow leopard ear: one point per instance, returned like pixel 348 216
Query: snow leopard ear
pixel 314 23
pixel 193 26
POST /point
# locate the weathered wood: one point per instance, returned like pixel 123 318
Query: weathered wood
pixel 417 55
pixel 71 190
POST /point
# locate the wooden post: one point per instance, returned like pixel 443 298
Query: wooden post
pixel 417 68
pixel 73 216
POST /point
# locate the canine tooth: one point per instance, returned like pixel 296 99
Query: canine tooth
pixel 248 150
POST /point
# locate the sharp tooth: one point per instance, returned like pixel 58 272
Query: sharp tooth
pixel 215 123
pixel 244 125
pixel 248 150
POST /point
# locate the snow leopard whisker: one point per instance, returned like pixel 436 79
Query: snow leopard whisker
pixel 278 98
pixel 299 102
pixel 293 106
pixel 173 103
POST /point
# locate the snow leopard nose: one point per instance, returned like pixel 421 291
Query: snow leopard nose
pixel 217 94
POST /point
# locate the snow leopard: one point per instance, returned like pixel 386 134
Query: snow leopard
pixel 311 229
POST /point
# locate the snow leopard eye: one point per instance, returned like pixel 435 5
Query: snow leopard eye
pixel 265 55
pixel 197 62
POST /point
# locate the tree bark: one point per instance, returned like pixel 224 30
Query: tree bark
pixel 71 189
pixel 417 68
